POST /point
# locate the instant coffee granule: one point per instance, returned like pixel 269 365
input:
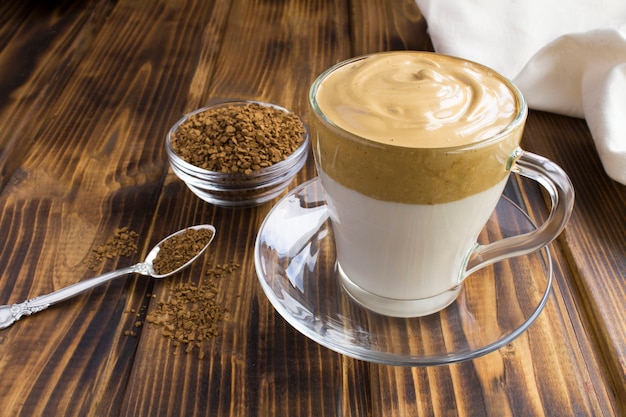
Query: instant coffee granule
pixel 179 249
pixel 122 243
pixel 139 317
pixel 238 139
pixel 191 313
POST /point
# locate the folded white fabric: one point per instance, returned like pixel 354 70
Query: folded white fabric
pixel 567 57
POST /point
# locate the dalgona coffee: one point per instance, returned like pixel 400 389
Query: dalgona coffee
pixel 419 109
pixel 413 150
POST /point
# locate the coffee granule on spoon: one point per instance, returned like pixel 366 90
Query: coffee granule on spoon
pixel 179 249
pixel 238 139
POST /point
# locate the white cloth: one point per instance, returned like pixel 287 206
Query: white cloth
pixel 567 57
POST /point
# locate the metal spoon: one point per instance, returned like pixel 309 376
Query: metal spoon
pixel 9 314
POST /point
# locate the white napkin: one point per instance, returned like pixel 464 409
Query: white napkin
pixel 567 57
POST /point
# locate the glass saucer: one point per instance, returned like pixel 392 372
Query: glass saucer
pixel 296 265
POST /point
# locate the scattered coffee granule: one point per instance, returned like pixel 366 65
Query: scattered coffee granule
pixel 220 270
pixel 179 249
pixel 192 312
pixel 122 243
pixel 138 321
pixel 238 139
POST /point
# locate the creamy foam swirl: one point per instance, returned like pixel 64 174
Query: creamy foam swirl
pixel 417 100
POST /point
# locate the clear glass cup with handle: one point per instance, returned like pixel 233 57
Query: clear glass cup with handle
pixel 413 150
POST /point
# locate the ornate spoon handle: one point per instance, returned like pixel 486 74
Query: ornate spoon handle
pixel 9 314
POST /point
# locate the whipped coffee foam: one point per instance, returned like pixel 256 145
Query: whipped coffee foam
pixel 415 127
pixel 417 100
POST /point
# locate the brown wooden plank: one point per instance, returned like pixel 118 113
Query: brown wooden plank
pixel 388 26
pixel 96 162
pixel 594 241
pixel 258 365
pixel 41 46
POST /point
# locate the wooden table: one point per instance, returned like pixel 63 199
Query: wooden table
pixel 88 90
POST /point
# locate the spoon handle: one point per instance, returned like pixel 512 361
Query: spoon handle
pixel 9 314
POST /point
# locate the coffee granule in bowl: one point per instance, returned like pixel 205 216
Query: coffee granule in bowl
pixel 238 138
pixel 179 249
pixel 238 153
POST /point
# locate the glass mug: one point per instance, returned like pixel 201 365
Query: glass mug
pixel 413 150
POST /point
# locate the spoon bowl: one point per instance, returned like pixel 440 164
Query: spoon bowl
pixel 149 261
pixel 9 314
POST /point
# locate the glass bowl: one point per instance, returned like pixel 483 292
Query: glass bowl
pixel 237 189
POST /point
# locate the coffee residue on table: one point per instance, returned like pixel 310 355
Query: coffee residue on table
pixel 122 243
pixel 238 138
pixel 191 313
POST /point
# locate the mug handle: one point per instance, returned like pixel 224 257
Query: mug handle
pixel 559 187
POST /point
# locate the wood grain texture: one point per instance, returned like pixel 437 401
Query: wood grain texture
pixel 88 91
pixel 95 162
pixel 594 242
pixel 259 365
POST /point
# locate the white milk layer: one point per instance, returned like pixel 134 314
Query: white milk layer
pixel 405 251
